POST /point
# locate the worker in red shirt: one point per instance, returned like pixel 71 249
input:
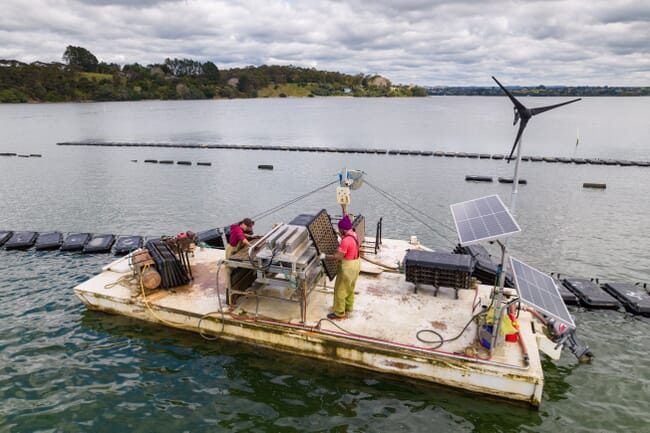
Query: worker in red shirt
pixel 238 236
pixel 347 271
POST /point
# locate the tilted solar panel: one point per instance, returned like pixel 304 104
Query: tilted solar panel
pixel 540 292
pixel 482 219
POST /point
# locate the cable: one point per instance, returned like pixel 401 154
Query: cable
pixel 276 208
pixel 274 251
pixel 442 339
pixel 404 203
pixel 401 206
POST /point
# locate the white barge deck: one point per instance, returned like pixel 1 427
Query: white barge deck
pixel 379 335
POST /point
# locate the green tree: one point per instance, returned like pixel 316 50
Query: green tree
pixel 211 72
pixel 79 56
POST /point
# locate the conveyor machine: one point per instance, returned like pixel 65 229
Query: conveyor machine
pixel 283 265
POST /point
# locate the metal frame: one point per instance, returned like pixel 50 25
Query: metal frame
pixel 273 272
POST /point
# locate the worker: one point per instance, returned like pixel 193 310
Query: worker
pixel 347 271
pixel 238 237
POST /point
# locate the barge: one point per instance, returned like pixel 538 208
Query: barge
pixel 419 319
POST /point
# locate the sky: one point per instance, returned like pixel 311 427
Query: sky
pixel 423 42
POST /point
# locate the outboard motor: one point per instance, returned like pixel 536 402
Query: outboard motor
pixel 559 334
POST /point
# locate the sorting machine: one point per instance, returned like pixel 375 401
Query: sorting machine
pixel 283 265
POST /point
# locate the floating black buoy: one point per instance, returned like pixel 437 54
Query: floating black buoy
pixel 99 244
pixel 75 242
pixel 590 293
pixel 510 180
pixel 48 241
pixel 474 178
pixel 634 298
pixel 4 236
pixel 265 167
pixel 21 240
pixel 213 237
pixel 594 185
pixel 126 244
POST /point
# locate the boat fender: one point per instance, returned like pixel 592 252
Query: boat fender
pixel 120 266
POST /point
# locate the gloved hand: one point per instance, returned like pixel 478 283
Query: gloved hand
pixel 322 256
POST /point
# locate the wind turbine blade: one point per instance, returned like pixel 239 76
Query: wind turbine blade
pixel 538 110
pixel 522 125
pixel 519 105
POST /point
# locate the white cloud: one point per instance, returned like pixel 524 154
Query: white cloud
pixel 425 42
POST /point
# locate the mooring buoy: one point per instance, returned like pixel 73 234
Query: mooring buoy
pixel 594 185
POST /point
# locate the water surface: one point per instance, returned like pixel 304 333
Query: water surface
pixel 64 368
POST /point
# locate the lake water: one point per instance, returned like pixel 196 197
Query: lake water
pixel 66 369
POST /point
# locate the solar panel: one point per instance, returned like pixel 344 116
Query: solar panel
pixel 482 219
pixel 540 292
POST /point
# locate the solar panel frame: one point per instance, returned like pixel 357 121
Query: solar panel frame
pixel 539 290
pixel 482 219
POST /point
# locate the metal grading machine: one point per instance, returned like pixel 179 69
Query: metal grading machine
pixel 283 265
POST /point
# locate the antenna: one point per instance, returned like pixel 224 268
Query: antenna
pixel 522 115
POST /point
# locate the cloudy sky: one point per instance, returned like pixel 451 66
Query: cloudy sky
pixel 425 42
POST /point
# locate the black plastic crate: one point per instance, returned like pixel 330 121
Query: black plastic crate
pixel 439 270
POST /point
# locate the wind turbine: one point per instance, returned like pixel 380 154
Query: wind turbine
pixel 522 115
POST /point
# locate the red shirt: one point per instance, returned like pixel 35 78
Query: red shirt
pixel 236 235
pixel 349 246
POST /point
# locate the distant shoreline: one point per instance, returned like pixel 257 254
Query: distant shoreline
pixel 539 91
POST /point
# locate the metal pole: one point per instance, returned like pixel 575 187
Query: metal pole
pixel 498 296
pixel 515 179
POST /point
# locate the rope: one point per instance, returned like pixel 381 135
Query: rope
pixel 276 208
pixel 146 302
pixel 402 204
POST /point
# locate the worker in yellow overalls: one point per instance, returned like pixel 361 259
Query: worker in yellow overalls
pixel 347 271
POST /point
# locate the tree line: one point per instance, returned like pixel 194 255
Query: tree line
pixel 541 91
pixel 81 77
